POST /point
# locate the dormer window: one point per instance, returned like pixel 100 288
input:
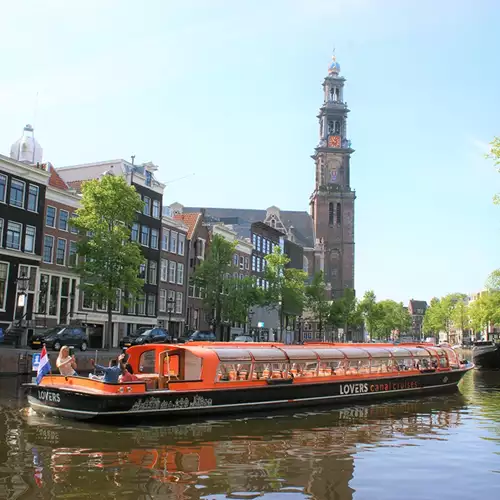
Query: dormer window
pixel 149 178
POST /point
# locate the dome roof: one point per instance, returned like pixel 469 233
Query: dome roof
pixel 27 149
pixel 334 67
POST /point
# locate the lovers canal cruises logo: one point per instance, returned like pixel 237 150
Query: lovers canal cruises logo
pixel 52 397
pixel 347 389
pixel 153 403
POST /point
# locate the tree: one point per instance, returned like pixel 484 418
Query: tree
pixel 494 155
pixel 241 295
pixel 372 311
pixel 109 261
pixel 285 290
pixel 344 312
pixel 212 275
pixel 390 316
pixel 460 313
pixel 316 300
pixel 434 320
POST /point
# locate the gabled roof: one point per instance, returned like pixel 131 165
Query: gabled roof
pixel 76 185
pixel 191 220
pixel 56 181
pixel 241 219
pixel 417 304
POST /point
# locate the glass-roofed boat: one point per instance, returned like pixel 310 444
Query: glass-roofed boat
pixel 208 378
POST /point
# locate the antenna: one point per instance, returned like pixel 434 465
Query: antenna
pixel 179 178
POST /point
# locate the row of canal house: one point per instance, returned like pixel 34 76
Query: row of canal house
pixel 39 288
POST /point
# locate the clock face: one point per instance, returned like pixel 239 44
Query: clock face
pixel 334 141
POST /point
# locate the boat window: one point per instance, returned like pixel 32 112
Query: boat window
pixel 378 352
pixel 406 364
pixel 268 354
pixel 354 352
pixel 304 368
pixel 147 362
pixel 443 362
pixel 171 366
pixel 400 352
pixel 327 368
pixel 380 365
pixel 358 366
pixel 299 353
pixel 233 372
pixel 233 354
pixel 263 371
pixel 326 353
pixel 452 357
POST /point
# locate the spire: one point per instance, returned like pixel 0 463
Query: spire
pixel 334 67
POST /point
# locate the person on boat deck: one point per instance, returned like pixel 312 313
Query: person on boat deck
pixel 66 363
pixel 127 374
pixel 111 372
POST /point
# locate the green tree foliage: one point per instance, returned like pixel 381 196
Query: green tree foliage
pixel 371 311
pixel 109 261
pixel 434 320
pixel 316 300
pixel 345 313
pixel 240 297
pixel 212 276
pixel 286 286
pixel 442 314
pixel 485 310
pixel 494 154
pixel 390 316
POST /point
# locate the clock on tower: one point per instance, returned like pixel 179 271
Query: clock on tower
pixel 334 141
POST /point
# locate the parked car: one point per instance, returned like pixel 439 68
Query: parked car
pixel 198 336
pixel 55 338
pixel 243 338
pixel 146 336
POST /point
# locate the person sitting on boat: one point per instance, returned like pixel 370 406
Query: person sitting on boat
pixel 127 374
pixel 111 372
pixel 66 363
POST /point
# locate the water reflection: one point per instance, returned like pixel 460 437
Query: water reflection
pixel 338 454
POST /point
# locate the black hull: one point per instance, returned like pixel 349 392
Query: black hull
pixel 170 405
pixel 486 357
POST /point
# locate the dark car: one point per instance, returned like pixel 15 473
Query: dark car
pixel 146 336
pixel 198 336
pixel 55 338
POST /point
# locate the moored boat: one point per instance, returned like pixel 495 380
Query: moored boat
pixel 209 378
pixel 486 355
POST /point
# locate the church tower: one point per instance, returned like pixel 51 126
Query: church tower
pixel 332 202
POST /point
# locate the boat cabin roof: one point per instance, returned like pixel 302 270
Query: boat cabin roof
pixel 282 353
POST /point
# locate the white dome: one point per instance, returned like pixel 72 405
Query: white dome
pixel 27 149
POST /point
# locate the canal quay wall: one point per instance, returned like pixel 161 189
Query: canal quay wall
pixel 19 361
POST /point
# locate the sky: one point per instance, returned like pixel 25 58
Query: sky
pixel 223 95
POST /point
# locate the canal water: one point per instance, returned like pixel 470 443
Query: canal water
pixel 434 448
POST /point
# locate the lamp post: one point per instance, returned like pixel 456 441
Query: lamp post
pixel 299 326
pixel 22 286
pixel 170 310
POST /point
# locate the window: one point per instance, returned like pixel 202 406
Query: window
pixel 154 238
pixel 173 242
pixel 147 206
pixel 117 303
pixel 50 217
pixel 145 236
pixel 149 178
pixel 259 242
pixel 164 270
pixel 3 191
pixel 17 193
pixel 72 228
pixel 339 214
pixel 48 248
pixel 180 273
pixel 200 251
pixel 162 306
pixel 151 304
pixel 134 233
pixel 171 301
pixel 152 272
pixel 53 295
pixel 72 253
pixel 254 240
pixel 247 262
pixel 178 303
pixel 87 302
pixel 330 214
pixel 61 252
pixel 258 264
pixel 63 220
pixel 242 263
pixel 172 268
pixel 156 209
pixel 181 244
pixel 235 259
pixel 254 263
pixel 131 304
pixel 164 239
pixel 1 232
pixel 29 239
pixel 33 198
pixel 14 232
pixel 141 304
pixel 142 271
pixel 4 278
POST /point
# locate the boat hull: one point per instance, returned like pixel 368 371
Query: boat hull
pixel 486 357
pixel 168 404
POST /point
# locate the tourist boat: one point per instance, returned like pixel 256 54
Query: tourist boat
pixel 208 378
pixel 486 355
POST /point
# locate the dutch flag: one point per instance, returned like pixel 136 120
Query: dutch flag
pixel 43 366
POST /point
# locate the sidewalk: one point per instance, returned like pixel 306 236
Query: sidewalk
pixel 17 361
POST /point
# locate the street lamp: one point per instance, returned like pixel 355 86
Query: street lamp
pixel 299 326
pixel 22 287
pixel 170 310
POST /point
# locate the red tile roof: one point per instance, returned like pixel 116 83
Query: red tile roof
pixel 191 220
pixel 76 185
pixel 56 181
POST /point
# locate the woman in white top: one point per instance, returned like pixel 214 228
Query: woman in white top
pixel 65 362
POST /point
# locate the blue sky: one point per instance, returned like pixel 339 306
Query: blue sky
pixel 229 91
